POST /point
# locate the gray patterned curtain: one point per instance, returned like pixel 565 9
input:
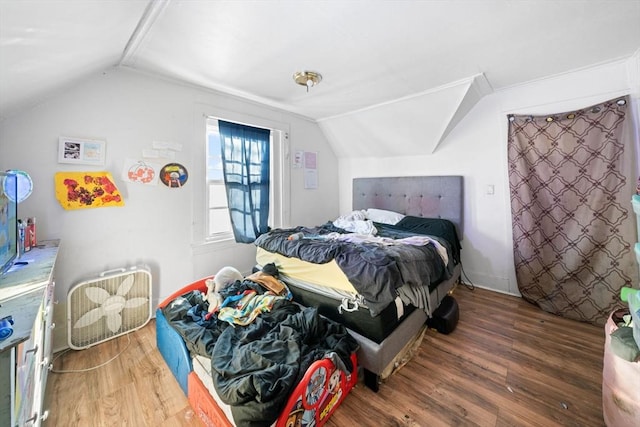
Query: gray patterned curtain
pixel 571 179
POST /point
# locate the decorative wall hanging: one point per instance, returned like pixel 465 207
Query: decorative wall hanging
pixel 174 175
pixel 81 190
pixel 571 178
pixel 81 151
pixel 140 171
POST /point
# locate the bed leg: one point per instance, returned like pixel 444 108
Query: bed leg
pixel 371 380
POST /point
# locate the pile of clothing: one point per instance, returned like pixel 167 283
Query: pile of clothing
pixel 260 343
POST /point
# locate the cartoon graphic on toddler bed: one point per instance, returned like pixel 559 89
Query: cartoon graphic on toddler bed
pixel 320 398
pixel 333 396
pixel 315 387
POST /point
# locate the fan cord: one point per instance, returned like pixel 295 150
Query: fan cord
pixel 468 285
pixel 70 371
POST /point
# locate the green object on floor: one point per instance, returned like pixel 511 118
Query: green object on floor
pixel 623 345
pixel 632 297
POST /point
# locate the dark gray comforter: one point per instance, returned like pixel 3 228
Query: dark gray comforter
pixel 378 272
pixel 256 367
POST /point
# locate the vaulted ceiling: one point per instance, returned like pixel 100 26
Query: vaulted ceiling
pixel 374 55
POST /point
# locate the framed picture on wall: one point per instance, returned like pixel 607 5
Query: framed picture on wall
pixel 82 151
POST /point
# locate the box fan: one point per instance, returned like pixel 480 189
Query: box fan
pixel 115 303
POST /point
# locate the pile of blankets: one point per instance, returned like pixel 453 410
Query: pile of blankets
pixel 260 345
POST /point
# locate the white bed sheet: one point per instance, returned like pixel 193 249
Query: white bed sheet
pixel 202 368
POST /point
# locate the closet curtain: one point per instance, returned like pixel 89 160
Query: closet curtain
pixel 571 179
pixel 246 171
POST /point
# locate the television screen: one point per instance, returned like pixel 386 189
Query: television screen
pixel 8 220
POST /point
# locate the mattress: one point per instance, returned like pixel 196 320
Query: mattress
pixel 348 310
pixel 202 368
pixel 325 286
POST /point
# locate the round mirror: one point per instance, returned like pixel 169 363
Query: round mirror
pixel 25 186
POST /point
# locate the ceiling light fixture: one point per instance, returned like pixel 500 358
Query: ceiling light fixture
pixel 307 78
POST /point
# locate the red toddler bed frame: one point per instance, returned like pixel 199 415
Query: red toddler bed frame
pixel 312 402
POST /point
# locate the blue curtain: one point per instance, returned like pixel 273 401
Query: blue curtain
pixel 245 167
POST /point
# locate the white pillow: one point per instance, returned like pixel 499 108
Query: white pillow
pixel 384 216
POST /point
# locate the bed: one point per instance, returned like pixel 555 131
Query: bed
pixel 385 303
pixel 280 364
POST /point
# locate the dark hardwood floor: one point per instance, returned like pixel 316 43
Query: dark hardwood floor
pixel 506 364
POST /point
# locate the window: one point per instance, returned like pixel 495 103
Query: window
pixel 217 225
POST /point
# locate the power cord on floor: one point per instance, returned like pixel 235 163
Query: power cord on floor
pixel 71 371
pixel 470 284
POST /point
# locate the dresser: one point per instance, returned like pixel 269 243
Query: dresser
pixel 26 312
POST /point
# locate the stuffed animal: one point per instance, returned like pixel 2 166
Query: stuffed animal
pixel 223 278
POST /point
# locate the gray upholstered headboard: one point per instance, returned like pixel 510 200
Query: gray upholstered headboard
pixel 424 196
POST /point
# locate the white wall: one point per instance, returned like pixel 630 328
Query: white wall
pixel 130 111
pixel 477 149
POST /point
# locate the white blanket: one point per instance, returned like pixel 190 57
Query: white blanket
pixel 356 222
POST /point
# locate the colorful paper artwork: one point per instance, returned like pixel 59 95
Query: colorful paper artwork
pixel 140 172
pixel 174 175
pixel 81 190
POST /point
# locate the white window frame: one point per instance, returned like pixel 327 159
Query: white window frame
pixel 280 191
pixel 208 234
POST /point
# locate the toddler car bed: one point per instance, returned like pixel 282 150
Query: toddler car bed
pixel 383 292
pixel 288 367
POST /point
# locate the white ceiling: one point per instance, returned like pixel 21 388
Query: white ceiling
pixel 369 52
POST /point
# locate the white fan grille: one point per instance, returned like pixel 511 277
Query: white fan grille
pixel 102 309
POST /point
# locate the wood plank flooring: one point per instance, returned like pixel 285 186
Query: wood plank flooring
pixel 506 364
